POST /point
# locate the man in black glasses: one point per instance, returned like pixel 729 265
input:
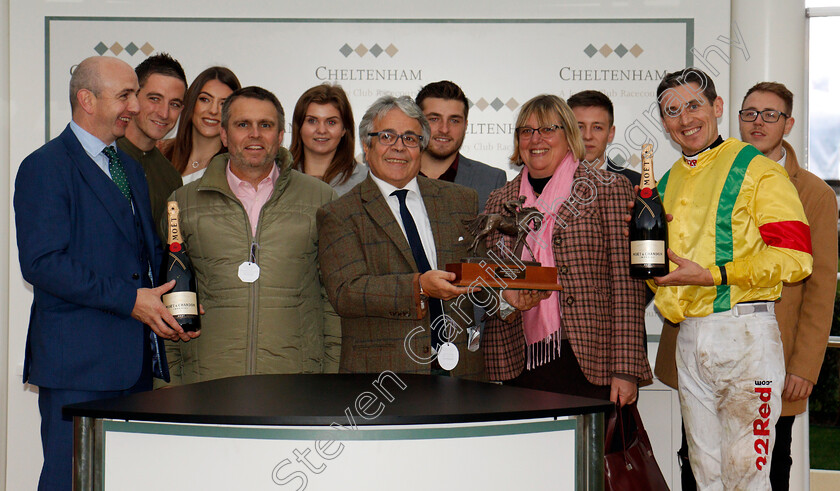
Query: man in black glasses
pixel 383 247
pixel 765 119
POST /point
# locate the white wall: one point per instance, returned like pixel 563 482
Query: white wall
pixel 5 172
pixel 777 45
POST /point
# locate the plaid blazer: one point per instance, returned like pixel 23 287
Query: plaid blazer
pixel 371 278
pixel 603 308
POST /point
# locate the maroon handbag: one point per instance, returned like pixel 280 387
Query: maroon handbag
pixel 631 467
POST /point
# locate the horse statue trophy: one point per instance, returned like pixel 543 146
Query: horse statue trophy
pixel 520 222
pixel 502 270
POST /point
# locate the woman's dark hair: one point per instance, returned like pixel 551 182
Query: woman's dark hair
pixel 179 151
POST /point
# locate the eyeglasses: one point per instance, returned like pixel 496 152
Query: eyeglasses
pixel 768 115
pixel 389 138
pixel 526 132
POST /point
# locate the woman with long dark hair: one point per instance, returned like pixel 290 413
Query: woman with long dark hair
pixel 197 139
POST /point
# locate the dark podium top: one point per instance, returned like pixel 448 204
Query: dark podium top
pixel 316 400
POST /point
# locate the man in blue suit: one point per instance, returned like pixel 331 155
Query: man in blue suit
pixel 88 246
pixel 445 106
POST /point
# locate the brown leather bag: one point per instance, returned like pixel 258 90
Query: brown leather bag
pixel 632 466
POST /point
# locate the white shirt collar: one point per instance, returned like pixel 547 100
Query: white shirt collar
pixel 783 160
pixel 386 188
pixel 93 146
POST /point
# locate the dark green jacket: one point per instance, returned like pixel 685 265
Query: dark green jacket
pixel 281 323
pixel 161 176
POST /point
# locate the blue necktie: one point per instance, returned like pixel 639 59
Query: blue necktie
pixel 422 262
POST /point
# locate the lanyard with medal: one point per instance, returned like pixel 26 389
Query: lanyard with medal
pixel 447 353
pixel 249 271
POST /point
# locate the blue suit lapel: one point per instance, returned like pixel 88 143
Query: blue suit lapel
pixel 142 206
pixel 102 186
pixel 142 211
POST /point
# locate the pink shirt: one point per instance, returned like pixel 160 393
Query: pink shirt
pixel 253 199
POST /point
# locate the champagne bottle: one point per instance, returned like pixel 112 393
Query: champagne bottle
pixel 648 228
pixel 181 300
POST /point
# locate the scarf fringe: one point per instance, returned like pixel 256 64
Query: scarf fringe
pixel 543 321
pixel 543 351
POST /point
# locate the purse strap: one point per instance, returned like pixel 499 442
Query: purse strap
pixel 617 418
pixel 610 433
pixel 620 410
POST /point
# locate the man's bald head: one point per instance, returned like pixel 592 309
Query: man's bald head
pixel 103 94
pixel 88 75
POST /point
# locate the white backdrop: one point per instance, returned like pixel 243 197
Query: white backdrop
pixel 500 63
pixel 501 53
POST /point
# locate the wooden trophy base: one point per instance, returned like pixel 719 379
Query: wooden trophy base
pixel 476 271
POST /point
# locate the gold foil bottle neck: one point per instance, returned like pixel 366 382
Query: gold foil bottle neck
pixel 173 213
pixel 647 181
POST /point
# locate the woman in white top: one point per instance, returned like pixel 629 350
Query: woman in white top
pixel 197 140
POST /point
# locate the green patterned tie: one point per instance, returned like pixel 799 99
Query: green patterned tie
pixel 115 166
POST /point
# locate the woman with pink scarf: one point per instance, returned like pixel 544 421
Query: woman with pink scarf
pixel 587 339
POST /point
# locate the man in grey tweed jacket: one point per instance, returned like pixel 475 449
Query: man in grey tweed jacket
pixel 369 271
